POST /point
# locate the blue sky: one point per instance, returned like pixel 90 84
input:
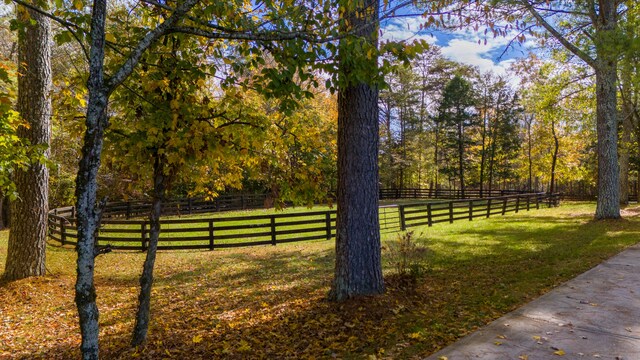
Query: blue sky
pixel 459 45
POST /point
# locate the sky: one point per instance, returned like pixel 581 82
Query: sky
pixel 460 45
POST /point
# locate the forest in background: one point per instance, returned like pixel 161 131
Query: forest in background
pixel 516 130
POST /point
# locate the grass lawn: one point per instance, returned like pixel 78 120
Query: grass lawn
pixel 269 302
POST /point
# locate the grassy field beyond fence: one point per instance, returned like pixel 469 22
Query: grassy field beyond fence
pixel 269 302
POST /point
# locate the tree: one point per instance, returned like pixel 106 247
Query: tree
pixel 27 239
pixel 358 252
pixel 455 116
pixel 590 31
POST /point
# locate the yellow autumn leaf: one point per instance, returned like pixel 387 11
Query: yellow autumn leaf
pixel 443 358
pixel 197 339
pixel 110 38
pixel 560 352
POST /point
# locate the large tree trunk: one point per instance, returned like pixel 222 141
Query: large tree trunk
pixel 146 279
pixel 358 259
pixel 608 204
pixel 627 130
pixel 27 239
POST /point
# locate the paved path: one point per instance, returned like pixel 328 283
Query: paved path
pixel 594 316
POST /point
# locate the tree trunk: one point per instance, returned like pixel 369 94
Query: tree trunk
pixel 358 254
pixel 608 204
pixel 146 279
pixel 554 157
pixel 27 239
pixel 624 145
pixel 483 150
pixel 86 186
pixel 529 152
pixel 461 159
pixel 435 157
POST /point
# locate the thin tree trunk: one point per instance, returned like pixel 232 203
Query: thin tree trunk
pixel 146 279
pixel 435 158
pixel 358 254
pixel 529 152
pixel 554 157
pixel 27 239
pixel 461 159
pixel 483 150
pixel 86 186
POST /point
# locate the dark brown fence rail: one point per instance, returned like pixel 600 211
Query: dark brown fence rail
pixel 420 214
pixel 189 206
pixel 233 231
pixel 386 194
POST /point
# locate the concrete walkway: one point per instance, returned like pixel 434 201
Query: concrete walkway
pixel 594 316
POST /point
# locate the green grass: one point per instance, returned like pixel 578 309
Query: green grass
pixel 269 302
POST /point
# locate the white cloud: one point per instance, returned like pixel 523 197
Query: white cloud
pixel 471 53
pixel 461 45
pixel 406 29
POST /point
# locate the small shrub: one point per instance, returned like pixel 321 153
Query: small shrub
pixel 408 258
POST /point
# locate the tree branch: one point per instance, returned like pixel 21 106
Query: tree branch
pixel 571 47
pixel 127 68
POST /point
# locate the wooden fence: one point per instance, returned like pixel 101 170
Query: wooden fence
pixel 189 206
pixel 420 214
pixel 386 194
pixel 224 232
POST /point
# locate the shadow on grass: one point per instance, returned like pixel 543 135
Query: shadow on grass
pixel 271 303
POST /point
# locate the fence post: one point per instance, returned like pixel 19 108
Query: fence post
pixel 273 231
pixel 451 212
pixel 211 245
pixel 504 206
pixel 470 210
pixel 144 235
pixel 537 201
pixel 190 204
pixel 429 219
pixel 327 221
pixel 73 211
pixel 528 202
pixel 488 207
pixel 128 214
pixel 63 231
pixel 403 225
pixel 517 203
pixel 242 202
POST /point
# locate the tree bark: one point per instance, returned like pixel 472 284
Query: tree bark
pixel 86 186
pixel 27 239
pixel 627 128
pixel 146 279
pixel 358 268
pixel 608 204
